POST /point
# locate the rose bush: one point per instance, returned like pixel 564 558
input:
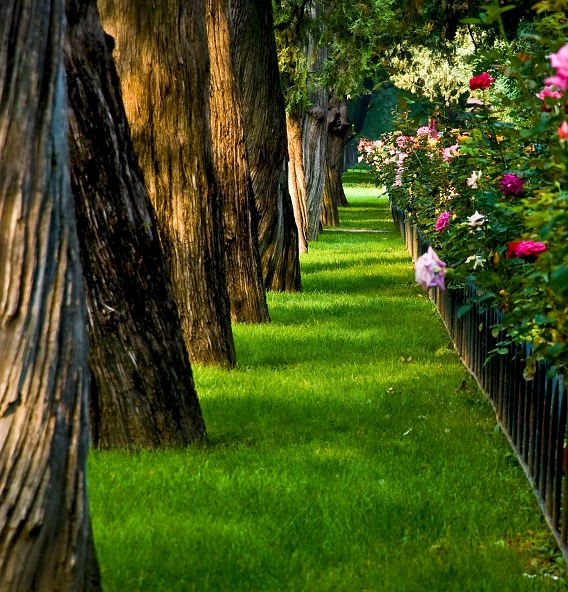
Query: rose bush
pixel 491 193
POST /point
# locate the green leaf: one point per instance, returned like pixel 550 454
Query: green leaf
pixel 559 280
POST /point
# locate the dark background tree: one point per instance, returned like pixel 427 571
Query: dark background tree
pixel 446 16
pixel 142 391
pixel 162 60
pixel 337 129
pixel 45 532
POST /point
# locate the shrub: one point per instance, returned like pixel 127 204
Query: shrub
pixel 490 195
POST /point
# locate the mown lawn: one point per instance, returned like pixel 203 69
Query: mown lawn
pixel 349 451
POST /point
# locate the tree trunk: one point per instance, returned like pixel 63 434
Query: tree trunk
pixel 314 130
pixel 45 533
pixel 314 147
pixel 142 391
pixel 240 218
pixel 333 194
pixel 297 180
pixel 362 108
pixel 262 102
pixel 162 60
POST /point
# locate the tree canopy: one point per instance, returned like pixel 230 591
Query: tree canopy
pixel 354 34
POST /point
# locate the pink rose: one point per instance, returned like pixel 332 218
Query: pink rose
pixel 450 152
pixel 563 131
pixel 481 81
pixel 559 61
pixel 511 184
pixel 474 101
pixel 547 91
pixel 443 221
pixel 402 141
pixel 426 130
pixel 430 270
pixel 529 250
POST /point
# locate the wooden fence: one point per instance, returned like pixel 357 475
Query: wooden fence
pixel 531 413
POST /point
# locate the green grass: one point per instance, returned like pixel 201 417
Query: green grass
pixel 358 176
pixel 349 451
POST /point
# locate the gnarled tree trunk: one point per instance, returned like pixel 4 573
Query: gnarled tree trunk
pixel 242 259
pixel 142 391
pixel 333 194
pixel 256 66
pixel 45 533
pixel 162 60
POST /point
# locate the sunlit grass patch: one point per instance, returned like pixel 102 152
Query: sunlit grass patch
pixel 359 177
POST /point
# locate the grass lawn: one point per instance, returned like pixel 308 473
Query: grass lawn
pixel 349 451
pixel 358 176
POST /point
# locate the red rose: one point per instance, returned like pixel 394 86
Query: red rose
pixel 512 249
pixel 481 81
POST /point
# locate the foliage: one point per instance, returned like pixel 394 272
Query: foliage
pixel 339 451
pixel 351 34
pixel 501 137
pixel 438 73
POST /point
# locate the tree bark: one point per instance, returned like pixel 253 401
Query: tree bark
pixel 142 391
pixel 45 533
pixel 240 218
pixel 314 130
pixel 314 151
pixel 162 60
pixel 258 77
pixel 297 180
pixel 333 194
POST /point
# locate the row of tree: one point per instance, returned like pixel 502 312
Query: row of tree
pixel 144 207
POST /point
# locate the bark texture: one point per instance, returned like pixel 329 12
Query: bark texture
pixel 256 67
pixel 297 180
pixel 333 194
pixel 314 130
pixel 45 534
pixel 240 219
pixel 312 124
pixel 314 152
pixel 142 391
pixel 162 61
